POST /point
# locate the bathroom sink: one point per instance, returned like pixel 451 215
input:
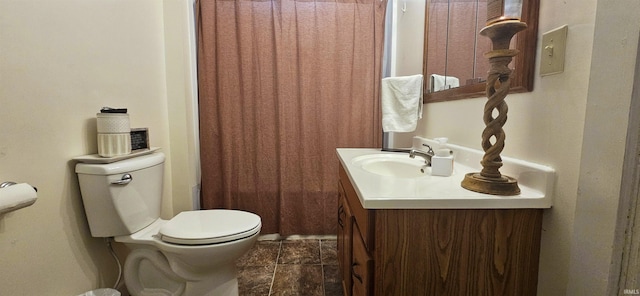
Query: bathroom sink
pixel 392 180
pixel 392 165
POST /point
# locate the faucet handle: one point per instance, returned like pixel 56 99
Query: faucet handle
pixel 428 147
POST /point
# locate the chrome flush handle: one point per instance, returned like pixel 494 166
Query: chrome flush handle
pixel 126 179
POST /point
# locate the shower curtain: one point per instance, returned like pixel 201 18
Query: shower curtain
pixel 282 84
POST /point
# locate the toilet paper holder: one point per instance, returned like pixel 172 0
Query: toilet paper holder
pixel 14 196
pixel 10 183
pixel 7 184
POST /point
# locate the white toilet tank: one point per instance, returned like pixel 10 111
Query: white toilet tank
pixel 122 197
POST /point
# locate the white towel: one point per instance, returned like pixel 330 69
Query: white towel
pixel 440 82
pixel 401 103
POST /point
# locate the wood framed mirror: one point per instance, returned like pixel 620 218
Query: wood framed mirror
pixel 454 49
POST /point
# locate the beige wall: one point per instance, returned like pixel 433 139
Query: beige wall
pixel 606 120
pixel 60 62
pixel 576 123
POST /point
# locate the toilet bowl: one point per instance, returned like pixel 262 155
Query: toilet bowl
pixel 193 253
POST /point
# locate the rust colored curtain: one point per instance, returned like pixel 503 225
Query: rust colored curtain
pixel 282 84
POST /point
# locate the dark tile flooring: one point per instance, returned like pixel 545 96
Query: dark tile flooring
pixel 290 267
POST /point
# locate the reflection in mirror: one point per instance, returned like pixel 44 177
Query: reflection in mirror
pixel 453 43
pixel 454 66
pixel 403 52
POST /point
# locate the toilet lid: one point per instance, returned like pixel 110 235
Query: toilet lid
pixel 210 227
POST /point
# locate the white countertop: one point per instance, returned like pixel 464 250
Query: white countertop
pixel 434 192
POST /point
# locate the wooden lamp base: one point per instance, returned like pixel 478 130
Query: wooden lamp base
pixel 489 180
pixel 504 185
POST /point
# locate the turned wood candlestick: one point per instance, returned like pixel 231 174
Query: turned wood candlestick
pixel 490 180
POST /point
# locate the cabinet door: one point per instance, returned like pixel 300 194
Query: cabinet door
pixel 362 266
pixel 363 218
pixel 345 226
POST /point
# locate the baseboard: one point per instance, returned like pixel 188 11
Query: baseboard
pixel 277 236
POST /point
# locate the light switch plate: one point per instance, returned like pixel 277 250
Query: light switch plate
pixel 553 48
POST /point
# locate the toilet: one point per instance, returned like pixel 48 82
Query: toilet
pixel 193 253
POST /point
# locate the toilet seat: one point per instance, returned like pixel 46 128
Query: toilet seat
pixel 209 227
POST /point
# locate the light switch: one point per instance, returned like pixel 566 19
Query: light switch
pixel 553 48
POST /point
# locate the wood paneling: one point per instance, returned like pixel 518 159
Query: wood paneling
pixel 458 252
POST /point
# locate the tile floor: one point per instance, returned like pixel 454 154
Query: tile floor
pixel 290 267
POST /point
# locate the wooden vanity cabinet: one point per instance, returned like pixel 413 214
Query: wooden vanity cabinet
pixel 361 266
pixel 436 251
pixel 345 233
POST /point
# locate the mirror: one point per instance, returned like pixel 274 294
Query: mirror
pixel 454 65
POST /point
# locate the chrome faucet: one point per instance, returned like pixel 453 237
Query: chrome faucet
pixel 424 154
